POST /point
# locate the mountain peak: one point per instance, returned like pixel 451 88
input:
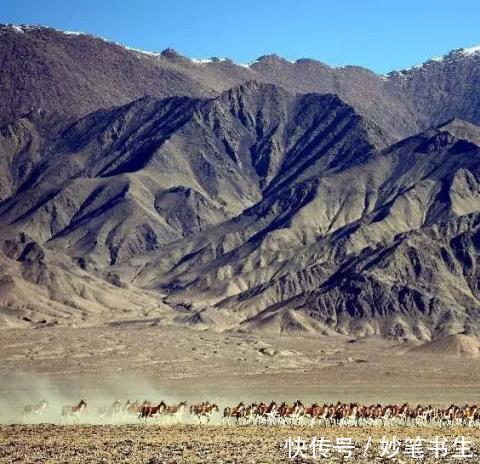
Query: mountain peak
pixel 270 59
pixel 170 53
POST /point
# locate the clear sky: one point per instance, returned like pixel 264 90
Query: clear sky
pixel 380 35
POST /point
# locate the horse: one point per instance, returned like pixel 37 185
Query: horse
pixel 113 411
pixel 250 413
pixel 205 409
pixel 133 409
pixel 237 412
pixel 312 413
pixel 74 411
pixel 291 413
pixel 152 411
pixel 34 409
pixel 175 412
pixel 269 413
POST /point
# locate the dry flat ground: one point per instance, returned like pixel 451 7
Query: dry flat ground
pixel 138 362
pixel 145 362
pixel 194 444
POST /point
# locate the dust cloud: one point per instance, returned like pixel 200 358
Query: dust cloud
pixel 21 393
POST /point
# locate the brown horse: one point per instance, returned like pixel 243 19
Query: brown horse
pixel 291 413
pixel 236 412
pixel 313 413
pixel 268 413
pixel 175 412
pixel 205 409
pixel 250 413
pixel 74 411
pixel 209 411
pixel 149 411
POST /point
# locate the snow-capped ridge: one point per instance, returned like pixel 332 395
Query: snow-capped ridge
pixel 21 28
pixel 471 50
pixel 405 73
pixel 455 54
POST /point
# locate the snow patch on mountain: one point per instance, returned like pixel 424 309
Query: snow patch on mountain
pixel 471 50
pixel 74 33
pixel 17 29
pixel 138 50
pixel 207 60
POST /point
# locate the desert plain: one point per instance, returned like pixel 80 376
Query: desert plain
pixel 139 361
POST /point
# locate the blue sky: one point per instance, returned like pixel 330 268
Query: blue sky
pixel 380 35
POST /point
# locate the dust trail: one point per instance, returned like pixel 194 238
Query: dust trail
pixel 27 389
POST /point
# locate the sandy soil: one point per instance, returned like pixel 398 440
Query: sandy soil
pixel 193 444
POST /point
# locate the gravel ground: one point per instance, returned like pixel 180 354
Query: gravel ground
pixel 204 444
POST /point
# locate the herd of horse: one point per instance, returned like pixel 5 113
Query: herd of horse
pixel 273 413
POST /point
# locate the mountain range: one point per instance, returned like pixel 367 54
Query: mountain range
pixel 151 188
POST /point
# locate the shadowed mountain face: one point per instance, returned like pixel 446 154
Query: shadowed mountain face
pixel 155 171
pixel 282 196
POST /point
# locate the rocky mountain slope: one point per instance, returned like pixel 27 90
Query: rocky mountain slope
pixel 279 196
pixel 71 75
